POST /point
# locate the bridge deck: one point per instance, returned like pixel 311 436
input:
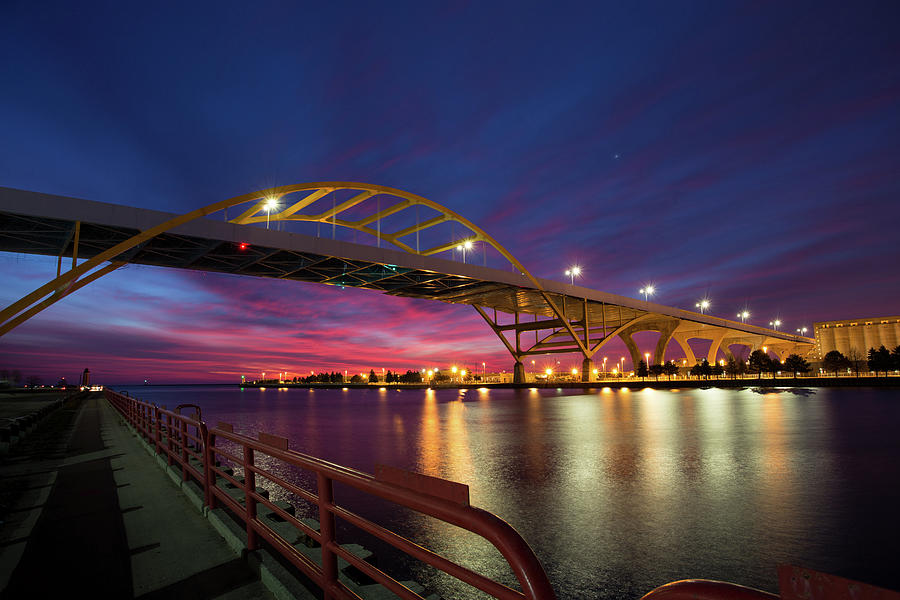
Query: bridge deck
pixel 36 223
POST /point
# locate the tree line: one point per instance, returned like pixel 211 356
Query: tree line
pixel 881 360
pixel 759 363
pixel 335 377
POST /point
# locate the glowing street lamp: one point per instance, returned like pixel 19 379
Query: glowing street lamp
pixel 572 273
pixel 647 359
pixel 647 291
pixel 466 245
pixel 744 314
pixel 703 305
pixel 775 324
pixel 802 331
pixel 271 204
pixel 604 364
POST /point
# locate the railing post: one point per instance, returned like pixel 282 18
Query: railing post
pixel 249 500
pixel 184 452
pixel 203 433
pixel 170 442
pixel 209 460
pixel 157 434
pixel 326 530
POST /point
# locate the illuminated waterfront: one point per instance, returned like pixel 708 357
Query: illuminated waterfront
pixel 620 491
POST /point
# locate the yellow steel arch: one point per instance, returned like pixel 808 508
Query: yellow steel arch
pixel 262 203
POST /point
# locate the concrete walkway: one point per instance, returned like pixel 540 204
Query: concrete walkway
pixel 97 515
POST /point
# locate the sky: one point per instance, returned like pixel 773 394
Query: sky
pixel 742 151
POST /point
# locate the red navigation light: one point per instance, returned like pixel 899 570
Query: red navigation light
pixel 242 246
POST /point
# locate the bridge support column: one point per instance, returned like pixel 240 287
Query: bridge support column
pixel 714 347
pixel 632 349
pixel 665 335
pixel 519 372
pixel 587 368
pixel 729 355
pixel 686 348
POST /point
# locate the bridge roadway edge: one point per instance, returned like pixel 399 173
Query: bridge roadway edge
pixel 109 522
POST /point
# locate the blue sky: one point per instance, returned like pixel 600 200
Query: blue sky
pixel 748 151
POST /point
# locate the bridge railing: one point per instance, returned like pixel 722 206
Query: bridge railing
pixel 707 589
pixel 180 438
pixel 263 460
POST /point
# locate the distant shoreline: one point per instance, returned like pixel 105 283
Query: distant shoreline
pixel 631 383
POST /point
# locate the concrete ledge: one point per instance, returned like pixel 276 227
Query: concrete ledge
pixel 228 529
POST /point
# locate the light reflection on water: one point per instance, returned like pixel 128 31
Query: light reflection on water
pixel 619 490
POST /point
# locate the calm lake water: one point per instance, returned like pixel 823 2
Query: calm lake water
pixel 617 491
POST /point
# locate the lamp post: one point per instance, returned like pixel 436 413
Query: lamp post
pixel 572 272
pixel 744 314
pixel 703 305
pixel 622 365
pixel 775 324
pixel 647 291
pixel 604 366
pixel 802 331
pixel 466 245
pixel 270 205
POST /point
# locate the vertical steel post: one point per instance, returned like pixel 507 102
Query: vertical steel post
pixel 184 452
pixel 157 435
pixel 75 245
pixel 249 500
pixel 209 460
pixel 587 341
pixel 170 442
pixel 326 530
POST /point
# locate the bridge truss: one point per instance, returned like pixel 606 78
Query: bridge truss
pixel 530 316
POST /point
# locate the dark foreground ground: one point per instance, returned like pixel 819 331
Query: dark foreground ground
pixel 85 509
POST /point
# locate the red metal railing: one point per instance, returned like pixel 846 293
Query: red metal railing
pixel 179 438
pixel 706 589
pixel 447 501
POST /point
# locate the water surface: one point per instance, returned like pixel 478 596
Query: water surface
pixel 619 491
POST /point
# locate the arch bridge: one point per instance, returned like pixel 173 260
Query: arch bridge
pixel 529 315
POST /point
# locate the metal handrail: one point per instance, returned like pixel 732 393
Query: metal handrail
pixel 168 432
pixel 706 589
pixel 181 443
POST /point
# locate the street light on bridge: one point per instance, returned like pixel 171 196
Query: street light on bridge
pixel 572 273
pixel 802 331
pixel 703 305
pixel 271 204
pixel 775 324
pixel 647 291
pixel 744 314
pixel 466 245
